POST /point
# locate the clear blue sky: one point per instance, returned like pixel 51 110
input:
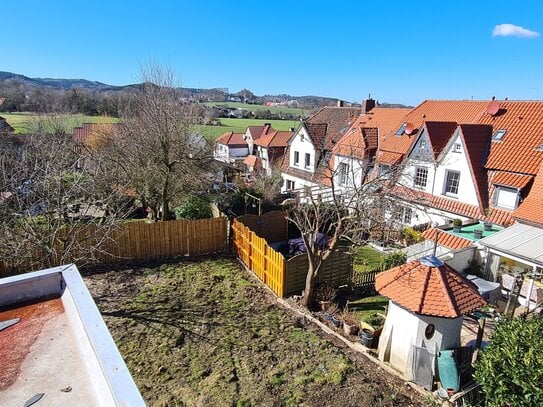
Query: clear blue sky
pixel 401 52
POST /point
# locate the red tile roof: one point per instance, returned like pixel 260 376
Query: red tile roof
pixel 256 131
pixel 454 206
pixel 337 120
pixel 232 139
pixel 439 134
pixel 275 139
pixel 357 143
pixel 446 239
pixel 429 290
pixel 91 132
pixel 531 209
pixel 252 161
pixel 475 139
pixel 518 149
pixel 510 179
pixel 388 157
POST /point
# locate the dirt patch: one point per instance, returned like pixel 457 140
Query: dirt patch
pixel 204 333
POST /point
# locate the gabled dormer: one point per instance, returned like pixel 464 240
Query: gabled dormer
pixel 432 138
pixel 302 151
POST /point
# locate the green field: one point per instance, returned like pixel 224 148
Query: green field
pixel 367 258
pixel 22 122
pixel 254 108
pixel 239 126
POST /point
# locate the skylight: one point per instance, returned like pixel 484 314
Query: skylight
pixel 499 135
pixel 400 131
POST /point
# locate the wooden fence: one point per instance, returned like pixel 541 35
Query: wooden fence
pixel 284 277
pixel 139 241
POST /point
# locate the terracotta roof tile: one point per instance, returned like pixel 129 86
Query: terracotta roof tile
pixel 454 206
pixel 510 179
pixel 275 139
pixel 388 157
pixel 357 143
pixel 439 134
pixel 230 139
pixel 531 209
pixel 518 149
pixel 251 161
pixel 337 119
pixel 429 290
pixel 90 132
pixel 446 239
pixel 256 131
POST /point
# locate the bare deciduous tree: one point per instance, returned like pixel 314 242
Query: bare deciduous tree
pixel 156 149
pixel 346 211
pixel 47 198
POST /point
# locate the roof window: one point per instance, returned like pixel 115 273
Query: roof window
pixel 400 131
pixel 499 135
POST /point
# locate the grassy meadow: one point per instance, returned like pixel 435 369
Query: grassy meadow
pixel 22 122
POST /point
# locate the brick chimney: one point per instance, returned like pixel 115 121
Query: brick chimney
pixel 368 104
pixel 339 103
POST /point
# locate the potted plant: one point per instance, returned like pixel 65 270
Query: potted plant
pixel 457 225
pixel 325 294
pixel 350 322
pixel 371 329
pixel 478 232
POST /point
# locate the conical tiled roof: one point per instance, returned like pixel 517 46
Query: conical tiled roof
pixel 429 287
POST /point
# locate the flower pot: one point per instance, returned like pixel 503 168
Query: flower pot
pixel 488 226
pixel 366 337
pixel 477 234
pixel 349 329
pixel 457 229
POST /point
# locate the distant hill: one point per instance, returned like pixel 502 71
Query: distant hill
pixel 21 85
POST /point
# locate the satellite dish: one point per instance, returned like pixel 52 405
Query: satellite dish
pixel 409 128
pixel 431 261
pixel 493 107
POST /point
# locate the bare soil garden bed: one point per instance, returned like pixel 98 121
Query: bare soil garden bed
pixel 205 333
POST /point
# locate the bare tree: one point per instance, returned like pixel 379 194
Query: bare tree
pixel 344 212
pixel 47 199
pixel 156 149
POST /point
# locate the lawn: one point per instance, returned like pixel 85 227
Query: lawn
pixel 367 258
pixel 207 334
pixel 22 122
pixel 273 109
pixel 368 306
pixel 240 125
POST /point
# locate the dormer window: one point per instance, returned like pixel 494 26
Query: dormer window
pixel 400 131
pixel 499 135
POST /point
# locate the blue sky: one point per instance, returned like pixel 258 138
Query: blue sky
pixel 401 52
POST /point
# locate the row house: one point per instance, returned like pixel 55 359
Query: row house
pixel 270 149
pixel 307 161
pixel 231 148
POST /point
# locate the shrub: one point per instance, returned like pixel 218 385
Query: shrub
pixel 194 207
pixel 457 222
pixel 510 370
pixel 412 236
pixel 393 259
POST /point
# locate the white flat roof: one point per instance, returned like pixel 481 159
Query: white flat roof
pixel 61 346
pixel 520 240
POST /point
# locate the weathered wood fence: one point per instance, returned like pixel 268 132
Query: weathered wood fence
pixel 284 277
pixel 140 241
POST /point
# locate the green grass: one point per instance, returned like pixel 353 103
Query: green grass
pixel 368 306
pixel 367 258
pixel 22 122
pixel 240 125
pixel 255 108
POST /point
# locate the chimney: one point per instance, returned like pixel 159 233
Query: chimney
pixel 339 103
pixel 291 129
pixel 368 104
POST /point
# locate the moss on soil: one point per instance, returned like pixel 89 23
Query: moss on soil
pixel 206 333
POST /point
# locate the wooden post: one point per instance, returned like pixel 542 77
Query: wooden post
pixel 478 341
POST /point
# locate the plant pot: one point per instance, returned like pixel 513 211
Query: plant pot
pixel 349 329
pixel 335 321
pixel 488 226
pixel 477 234
pixel 457 229
pixel 366 337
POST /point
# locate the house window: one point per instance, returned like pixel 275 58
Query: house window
pixel 506 198
pixel 343 172
pixel 499 135
pixel 290 185
pixel 422 144
pixel 384 170
pixel 307 160
pixel 296 158
pixel 457 148
pixel 404 215
pixel 400 131
pixel 452 181
pixel 421 177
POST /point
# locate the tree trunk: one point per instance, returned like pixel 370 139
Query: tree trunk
pixel 309 293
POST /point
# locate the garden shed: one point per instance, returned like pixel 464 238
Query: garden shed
pixel 427 302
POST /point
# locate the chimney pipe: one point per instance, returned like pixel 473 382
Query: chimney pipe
pixel 339 103
pixel 367 105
